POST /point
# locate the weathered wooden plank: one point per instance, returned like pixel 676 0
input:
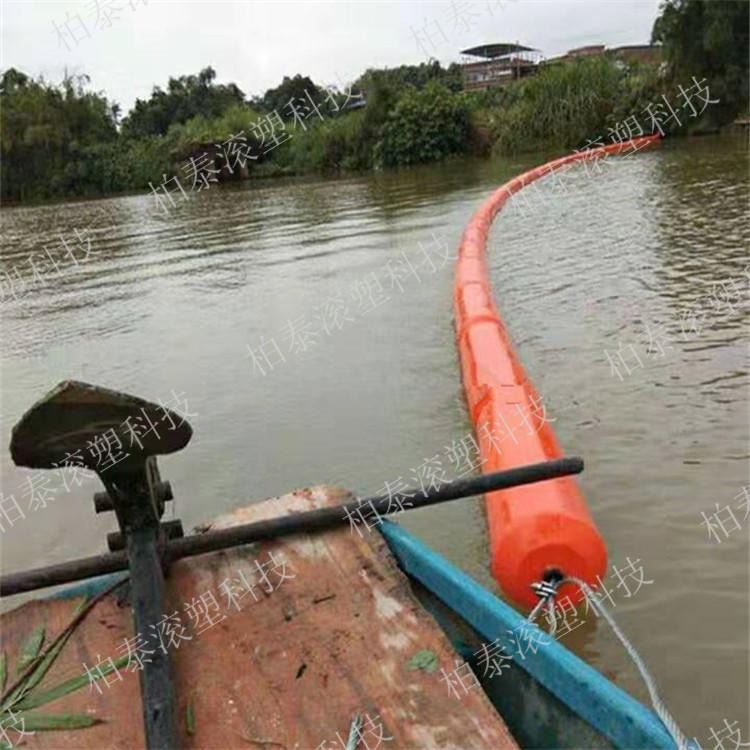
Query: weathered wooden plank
pixel 291 669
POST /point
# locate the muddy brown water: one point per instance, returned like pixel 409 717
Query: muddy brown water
pixel 269 309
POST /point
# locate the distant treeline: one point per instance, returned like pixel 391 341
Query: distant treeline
pixel 65 140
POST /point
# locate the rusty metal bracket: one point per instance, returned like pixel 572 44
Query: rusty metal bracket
pixel 64 425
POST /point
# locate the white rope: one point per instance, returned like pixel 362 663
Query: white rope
pixel 354 732
pixel 552 615
pixel 537 609
pixel 661 710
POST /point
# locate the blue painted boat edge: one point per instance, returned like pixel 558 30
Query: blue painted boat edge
pixel 627 723
pixel 91 587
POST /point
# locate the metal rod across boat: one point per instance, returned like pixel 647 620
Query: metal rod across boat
pixel 318 519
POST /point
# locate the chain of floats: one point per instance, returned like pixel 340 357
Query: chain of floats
pixel 547 591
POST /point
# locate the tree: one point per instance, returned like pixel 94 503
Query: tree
pixel 425 125
pixel 45 132
pixel 417 76
pixel 290 88
pixel 185 98
pixel 708 39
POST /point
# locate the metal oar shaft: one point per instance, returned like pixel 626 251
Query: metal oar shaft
pixel 321 518
pixel 324 518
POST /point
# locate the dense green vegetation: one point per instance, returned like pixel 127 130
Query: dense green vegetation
pixel 65 140
pixel 423 126
pixel 186 97
pixel 51 135
pixel 589 101
pixel 417 76
pixel 708 39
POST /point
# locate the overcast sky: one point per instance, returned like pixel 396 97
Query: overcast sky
pixel 128 46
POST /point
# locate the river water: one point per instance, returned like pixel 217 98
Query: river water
pixel 267 312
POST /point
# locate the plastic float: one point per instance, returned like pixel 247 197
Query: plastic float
pixel 544 531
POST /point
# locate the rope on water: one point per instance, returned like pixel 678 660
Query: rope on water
pixel 552 616
pixel 547 591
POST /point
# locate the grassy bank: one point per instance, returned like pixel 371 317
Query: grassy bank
pixel 61 141
pixel 66 141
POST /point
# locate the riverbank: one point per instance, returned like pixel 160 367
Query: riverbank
pixel 576 105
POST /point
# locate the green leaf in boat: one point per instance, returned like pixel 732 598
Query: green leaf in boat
pixel 30 649
pixel 44 664
pixel 33 722
pixel 190 718
pixel 64 688
pixel 48 659
pixel 425 660
pixel 45 661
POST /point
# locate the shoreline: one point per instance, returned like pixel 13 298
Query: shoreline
pixel 732 130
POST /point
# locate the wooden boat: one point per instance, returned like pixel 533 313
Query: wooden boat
pixel 362 627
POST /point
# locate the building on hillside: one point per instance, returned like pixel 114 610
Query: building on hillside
pixel 503 62
pixel 589 50
pixel 499 64
pixel 645 53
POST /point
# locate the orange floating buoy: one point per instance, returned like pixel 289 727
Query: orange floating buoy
pixel 542 529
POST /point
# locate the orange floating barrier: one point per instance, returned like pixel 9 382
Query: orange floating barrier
pixel 542 528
